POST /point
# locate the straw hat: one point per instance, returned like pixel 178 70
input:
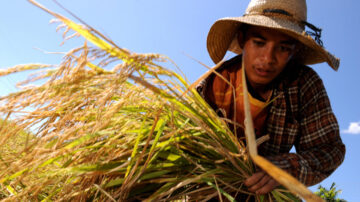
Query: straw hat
pixel 288 16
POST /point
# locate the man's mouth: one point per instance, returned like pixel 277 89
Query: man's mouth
pixel 262 72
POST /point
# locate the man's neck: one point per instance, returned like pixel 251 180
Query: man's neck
pixel 262 92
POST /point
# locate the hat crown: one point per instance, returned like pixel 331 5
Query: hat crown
pixel 296 8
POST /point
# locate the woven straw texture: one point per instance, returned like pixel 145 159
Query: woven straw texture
pixel 222 35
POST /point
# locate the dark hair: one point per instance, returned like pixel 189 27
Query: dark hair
pixel 244 28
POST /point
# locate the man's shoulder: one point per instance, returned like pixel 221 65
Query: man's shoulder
pixel 307 71
pixel 301 74
pixel 308 75
pixel 308 83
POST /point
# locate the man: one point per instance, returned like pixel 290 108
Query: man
pixel 288 100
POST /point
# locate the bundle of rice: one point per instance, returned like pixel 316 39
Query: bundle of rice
pixel 110 125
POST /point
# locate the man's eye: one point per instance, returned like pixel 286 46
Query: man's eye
pixel 258 43
pixel 285 48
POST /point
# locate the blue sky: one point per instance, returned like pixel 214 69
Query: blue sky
pixel 179 28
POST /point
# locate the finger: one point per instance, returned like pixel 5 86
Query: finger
pixel 262 182
pixel 268 187
pixel 256 177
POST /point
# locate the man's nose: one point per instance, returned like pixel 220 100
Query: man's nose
pixel 269 54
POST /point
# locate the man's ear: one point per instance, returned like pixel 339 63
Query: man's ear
pixel 240 39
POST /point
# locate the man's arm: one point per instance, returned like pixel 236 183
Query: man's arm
pixel 319 149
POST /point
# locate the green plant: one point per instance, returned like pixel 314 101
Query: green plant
pixel 329 195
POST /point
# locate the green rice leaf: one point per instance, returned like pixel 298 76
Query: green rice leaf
pixel 15 175
pixel 81 140
pixel 228 196
pixel 153 175
pixel 114 183
pixel 286 196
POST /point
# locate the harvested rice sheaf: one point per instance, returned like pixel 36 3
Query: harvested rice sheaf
pixel 111 125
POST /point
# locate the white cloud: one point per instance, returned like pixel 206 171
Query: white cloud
pixel 354 128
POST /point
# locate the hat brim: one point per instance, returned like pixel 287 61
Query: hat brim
pixel 221 38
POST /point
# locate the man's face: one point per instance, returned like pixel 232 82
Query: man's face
pixel 266 53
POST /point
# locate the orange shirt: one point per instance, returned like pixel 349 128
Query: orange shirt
pixel 222 94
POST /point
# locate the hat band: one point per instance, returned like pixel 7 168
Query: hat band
pixel 280 13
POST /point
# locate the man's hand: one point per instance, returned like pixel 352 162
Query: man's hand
pixel 261 183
